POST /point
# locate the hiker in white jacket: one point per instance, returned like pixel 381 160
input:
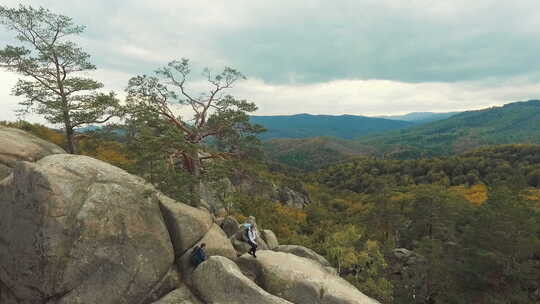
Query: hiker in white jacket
pixel 252 239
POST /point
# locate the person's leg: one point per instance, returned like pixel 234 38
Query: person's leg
pixel 253 246
pixel 254 249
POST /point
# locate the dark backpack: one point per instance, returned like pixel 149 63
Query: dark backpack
pixel 245 234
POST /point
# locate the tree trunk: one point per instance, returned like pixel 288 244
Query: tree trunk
pixel 192 165
pixel 196 165
pixel 70 136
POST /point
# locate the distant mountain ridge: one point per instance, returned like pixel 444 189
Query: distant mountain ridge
pixel 307 125
pixel 513 123
pixel 517 122
pixel 420 117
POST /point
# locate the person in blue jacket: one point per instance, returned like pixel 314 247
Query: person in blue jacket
pixel 198 255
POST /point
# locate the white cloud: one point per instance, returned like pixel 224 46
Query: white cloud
pixel 376 97
pixel 359 97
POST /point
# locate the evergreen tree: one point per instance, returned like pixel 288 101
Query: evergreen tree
pixel 52 66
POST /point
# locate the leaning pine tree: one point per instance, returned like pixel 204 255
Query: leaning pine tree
pixel 53 84
pixel 215 126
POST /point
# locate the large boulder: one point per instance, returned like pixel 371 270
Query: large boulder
pixel 219 280
pixel 303 252
pixel 292 198
pixel 300 280
pixel 270 238
pixel 17 145
pixel 186 224
pixel 407 257
pixel 171 281
pixel 256 186
pixel 230 226
pixel 217 244
pixel 77 230
pixel 181 295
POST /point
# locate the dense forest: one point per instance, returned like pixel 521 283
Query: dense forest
pixel 312 153
pixel 458 229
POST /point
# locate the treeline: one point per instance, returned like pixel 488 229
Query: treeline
pixel 516 165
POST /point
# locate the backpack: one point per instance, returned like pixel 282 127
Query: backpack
pixel 245 234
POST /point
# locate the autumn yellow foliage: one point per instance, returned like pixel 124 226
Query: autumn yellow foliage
pixel 400 196
pixel 476 194
pixel 289 219
pixel 533 195
pixel 108 151
pixel 239 217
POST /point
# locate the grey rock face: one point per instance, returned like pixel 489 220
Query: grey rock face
pixel 17 145
pixel 217 244
pixel 181 295
pixel 300 280
pixel 219 280
pixel 230 226
pixel 303 252
pixel 292 198
pixel 407 257
pixel 92 233
pixel 270 238
pixel 6 296
pixel 171 281
pixel 186 224
pixel 283 194
pixel 209 194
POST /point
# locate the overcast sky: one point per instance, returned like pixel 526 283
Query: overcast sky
pixel 363 57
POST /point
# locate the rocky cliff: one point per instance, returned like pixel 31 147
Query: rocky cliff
pixel 17 145
pixel 77 230
pixel 253 186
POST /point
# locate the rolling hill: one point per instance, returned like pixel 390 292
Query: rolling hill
pixel 306 125
pixel 517 122
pixel 420 117
pixel 513 123
pixel 313 153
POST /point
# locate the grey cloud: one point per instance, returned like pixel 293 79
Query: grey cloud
pixel 332 57
pixel 388 44
pixel 316 41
